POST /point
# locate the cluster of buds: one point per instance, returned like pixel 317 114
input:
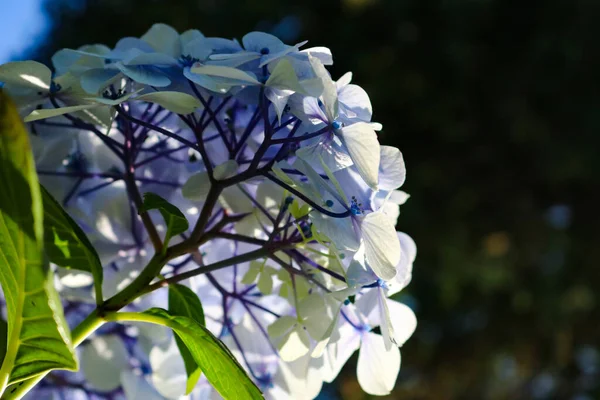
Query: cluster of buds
pixel 280 174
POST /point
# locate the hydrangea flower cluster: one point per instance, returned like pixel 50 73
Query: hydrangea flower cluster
pixel 278 169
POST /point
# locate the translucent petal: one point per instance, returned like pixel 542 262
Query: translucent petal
pixel 282 326
pixel 355 103
pixel 190 35
pixel 294 345
pixel 145 75
pixel 322 53
pixel 363 147
pixel 225 170
pixel 95 81
pixel 339 230
pixel 382 247
pixel 163 39
pixel 256 41
pixel 377 368
pixel 197 186
pixel 392 171
pixel 343 81
pixel 403 320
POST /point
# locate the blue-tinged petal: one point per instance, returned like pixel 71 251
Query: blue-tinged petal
pixel 198 49
pixel 78 61
pixel 354 103
pixel 189 36
pixel 257 41
pixel 220 45
pixel 405 266
pixel 307 109
pixel 151 59
pixel 129 43
pixel 339 230
pixel 234 59
pixel 145 75
pixel 392 171
pixel 96 80
pixel 208 82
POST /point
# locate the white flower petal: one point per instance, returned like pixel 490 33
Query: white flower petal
pixel 382 247
pixel 282 326
pixel 392 171
pixel 377 368
pixel 403 320
pixel 322 53
pixel 294 345
pixel 362 144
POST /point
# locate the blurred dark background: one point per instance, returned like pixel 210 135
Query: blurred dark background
pixel 496 107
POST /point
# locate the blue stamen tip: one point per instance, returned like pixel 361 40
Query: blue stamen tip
pixel 336 124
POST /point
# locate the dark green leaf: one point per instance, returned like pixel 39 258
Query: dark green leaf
pixel 67 245
pixel 216 361
pixel 174 218
pixel 184 302
pixel 38 337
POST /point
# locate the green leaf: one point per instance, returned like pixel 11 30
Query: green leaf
pixel 174 218
pixel 179 103
pixel 216 362
pixel 38 336
pixel 67 245
pixel 184 302
pixel 3 339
